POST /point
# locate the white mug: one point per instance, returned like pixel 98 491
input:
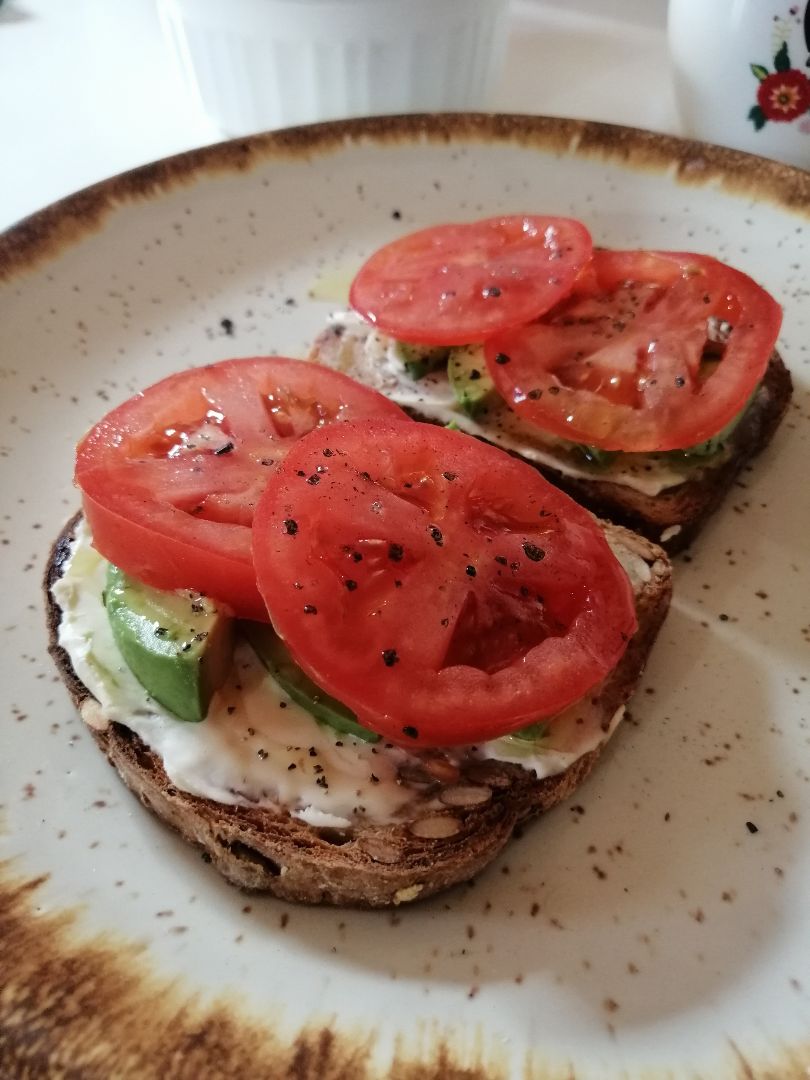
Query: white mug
pixel 742 74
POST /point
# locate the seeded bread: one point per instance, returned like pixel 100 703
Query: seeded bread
pixel 675 516
pixel 263 849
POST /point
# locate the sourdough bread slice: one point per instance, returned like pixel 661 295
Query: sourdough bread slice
pixel 370 865
pixel 674 516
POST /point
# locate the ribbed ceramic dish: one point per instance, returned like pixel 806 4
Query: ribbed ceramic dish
pixel 657 926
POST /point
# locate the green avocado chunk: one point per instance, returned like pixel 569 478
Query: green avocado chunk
pixel 276 657
pixel 419 360
pixel 467 370
pixel 176 644
pixel 532 734
pixel 716 442
pixel 706 449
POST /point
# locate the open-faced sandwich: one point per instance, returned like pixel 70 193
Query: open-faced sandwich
pixel 639 381
pixel 342 652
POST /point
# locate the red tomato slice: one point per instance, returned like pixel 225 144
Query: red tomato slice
pixel 442 589
pixel 170 478
pixel 627 361
pixel 455 284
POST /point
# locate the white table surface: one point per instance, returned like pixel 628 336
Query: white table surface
pixel 90 88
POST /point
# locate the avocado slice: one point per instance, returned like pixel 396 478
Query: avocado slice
pixel 278 660
pixel 526 741
pixel 176 644
pixel 419 360
pixel 713 445
pixel 716 442
pixel 467 370
pixel 533 733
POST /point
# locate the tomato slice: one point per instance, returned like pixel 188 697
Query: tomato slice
pixel 170 478
pixel 652 351
pixel 440 588
pixel 455 284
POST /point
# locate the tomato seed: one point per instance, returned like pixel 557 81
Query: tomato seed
pixel 533 552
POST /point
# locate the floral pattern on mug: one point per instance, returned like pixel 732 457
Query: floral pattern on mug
pixel 783 95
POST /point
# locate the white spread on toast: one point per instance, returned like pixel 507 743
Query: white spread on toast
pixel 242 753
pixel 371 358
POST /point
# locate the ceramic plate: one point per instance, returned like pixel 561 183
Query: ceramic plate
pixel 654 926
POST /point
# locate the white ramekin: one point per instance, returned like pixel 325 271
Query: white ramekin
pixel 258 64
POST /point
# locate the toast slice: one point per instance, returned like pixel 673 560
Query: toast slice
pixel 452 835
pixel 672 518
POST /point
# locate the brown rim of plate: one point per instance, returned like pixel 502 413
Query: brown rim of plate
pixel 47 231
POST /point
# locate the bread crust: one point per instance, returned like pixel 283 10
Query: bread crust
pixel 260 848
pixel 672 518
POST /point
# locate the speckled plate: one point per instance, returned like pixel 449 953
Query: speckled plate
pixel 656 926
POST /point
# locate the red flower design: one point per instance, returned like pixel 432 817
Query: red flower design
pixel 784 95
